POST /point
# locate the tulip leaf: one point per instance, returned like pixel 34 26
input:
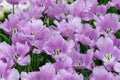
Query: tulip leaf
pixel 85 72
pixel 113 10
pixel 100 2
pixel 5 37
pixel 117 34
pixel 83 48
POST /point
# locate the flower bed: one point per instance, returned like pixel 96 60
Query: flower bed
pixel 59 39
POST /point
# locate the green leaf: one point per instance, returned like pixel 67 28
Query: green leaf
pixel 83 48
pixel 86 73
pixel 98 62
pixel 91 22
pixel 65 37
pixel 5 37
pixel 100 2
pixel 47 21
pixel 37 61
pixel 112 10
pixel 117 34
pixel 5 16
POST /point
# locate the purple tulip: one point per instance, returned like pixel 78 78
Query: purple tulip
pixel 108 53
pixel 57 45
pixel 8 74
pixel 117 4
pixel 117 67
pixel 63 62
pixel 83 8
pixel 46 72
pixel 69 28
pixel 20 52
pixel 10 25
pixel 100 73
pixel 101 10
pixel 106 24
pixel 86 35
pixel 65 75
pixel 15 54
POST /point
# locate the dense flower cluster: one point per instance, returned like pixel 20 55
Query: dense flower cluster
pixel 60 40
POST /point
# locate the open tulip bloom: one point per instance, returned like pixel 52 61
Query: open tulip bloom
pixel 59 39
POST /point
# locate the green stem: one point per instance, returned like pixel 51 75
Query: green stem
pixel 36 61
pixel 6 39
pixel 13 9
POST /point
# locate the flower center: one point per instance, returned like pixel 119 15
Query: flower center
pixel 41 4
pixel 57 1
pixel 108 58
pixel 69 1
pixel 15 30
pixel 65 14
pixel 16 56
pixel 57 51
pixel 79 63
pixel 32 33
pixel 108 30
